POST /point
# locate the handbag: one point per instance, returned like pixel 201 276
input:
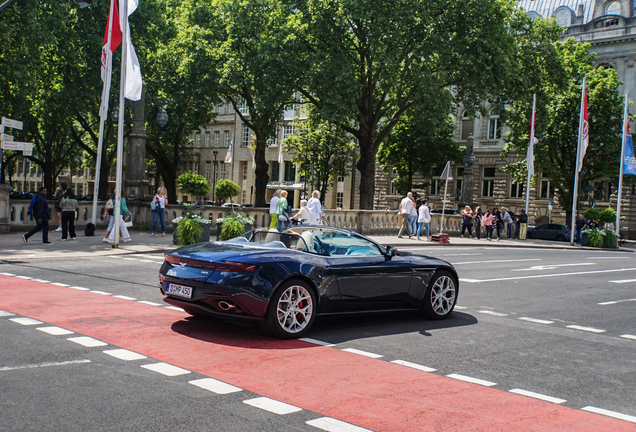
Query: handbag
pixel 128 221
pixel 153 205
pixel 283 217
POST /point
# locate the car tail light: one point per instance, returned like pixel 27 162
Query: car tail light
pixel 227 266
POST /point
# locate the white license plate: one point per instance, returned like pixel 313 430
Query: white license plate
pixel 179 290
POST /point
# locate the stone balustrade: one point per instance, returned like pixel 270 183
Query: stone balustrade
pixel 369 222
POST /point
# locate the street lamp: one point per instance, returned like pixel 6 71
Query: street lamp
pixel 215 152
pixel 162 117
pixel 114 115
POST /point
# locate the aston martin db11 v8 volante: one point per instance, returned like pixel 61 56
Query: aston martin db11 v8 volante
pixel 285 279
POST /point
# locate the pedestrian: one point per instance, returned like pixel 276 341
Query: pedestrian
pixel 523 224
pixel 579 225
pixel 41 215
pixel 57 200
pixel 479 215
pixel 303 216
pixel 405 211
pixel 282 213
pixel 69 207
pixel 505 216
pixel 498 222
pixel 123 231
pixel 159 211
pixel 413 216
pixel 272 209
pixel 424 219
pixel 488 221
pixel 315 208
pixel 467 221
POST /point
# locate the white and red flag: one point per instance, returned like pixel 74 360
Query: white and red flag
pixel 584 133
pixel 112 39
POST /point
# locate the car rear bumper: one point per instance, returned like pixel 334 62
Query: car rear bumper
pixel 204 309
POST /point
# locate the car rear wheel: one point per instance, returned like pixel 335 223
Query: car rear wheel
pixel 441 295
pixel 560 237
pixel 292 310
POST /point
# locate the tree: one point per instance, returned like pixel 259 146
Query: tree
pixel 322 149
pixel 419 143
pixel 374 60
pixel 557 122
pixel 227 189
pixel 193 184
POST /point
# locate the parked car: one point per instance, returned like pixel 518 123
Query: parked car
pixel 446 211
pixel 22 195
pixel 233 205
pixel 284 280
pixel 86 198
pixel 550 231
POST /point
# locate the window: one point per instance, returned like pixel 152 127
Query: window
pixel 244 197
pixel 243 108
pixel 275 171
pixel 196 167
pixel 516 190
pixel 32 169
pixel 190 166
pixel 467 125
pixel 613 8
pixel 494 126
pixel 547 191
pixel 436 182
pixel 289 112
pixel 19 169
pixel 208 170
pixel 226 141
pixel 289 130
pixel 339 199
pixel 197 139
pixel 273 141
pixel 246 137
pixel 219 108
pixel 244 171
pixel 207 139
pixel 607 23
pixel 290 171
pixel 459 182
pixel 488 182
pixel 393 190
pixel 340 179
pixel 217 138
pixel 602 191
pixel 222 171
pixel 564 17
pixel 228 108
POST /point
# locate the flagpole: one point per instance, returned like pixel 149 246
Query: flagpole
pixel 447 171
pixel 122 111
pixel 575 196
pixel 530 153
pixel 620 172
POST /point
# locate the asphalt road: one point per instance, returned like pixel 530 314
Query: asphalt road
pixel 559 323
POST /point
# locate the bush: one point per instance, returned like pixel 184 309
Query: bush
pixel 193 184
pixel 226 189
pixel 610 241
pixel 607 216
pixel 188 232
pixel 231 228
pixel 592 214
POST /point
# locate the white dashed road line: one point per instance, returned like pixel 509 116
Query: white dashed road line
pixel 101 292
pixel 609 413
pixel 60 284
pixel 498 261
pixel 551 266
pixel 24 277
pixel 87 341
pixel 535 320
pixel 124 354
pixel 362 353
pixel 493 313
pixel 41 280
pixel 123 297
pixel 332 425
pixel 317 342
pixel 79 288
pixel 547 275
pixel 623 281
pixel 7 274
pixel 215 386
pixel 149 303
pixel 25 321
pixel 472 380
pixel 414 366
pixel 587 329
pixel 272 405
pixel 460 307
pixel 31 366
pixel 166 369
pixel 175 308
pixel 538 396
pixel 55 331
pixel 628 336
pixel 616 301
pixel 5 313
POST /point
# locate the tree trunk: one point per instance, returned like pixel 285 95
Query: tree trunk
pixel 170 183
pixel 261 173
pixel 366 166
pixel 104 170
pixel 49 181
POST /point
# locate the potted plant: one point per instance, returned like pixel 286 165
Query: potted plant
pixel 607 217
pixel 591 236
pixel 225 189
pixel 234 225
pixel 193 185
pixel 191 229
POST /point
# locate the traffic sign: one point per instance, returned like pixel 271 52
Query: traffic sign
pixel 5 137
pixel 13 124
pixel 19 146
pixel 27 152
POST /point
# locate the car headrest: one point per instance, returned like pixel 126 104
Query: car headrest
pixel 308 238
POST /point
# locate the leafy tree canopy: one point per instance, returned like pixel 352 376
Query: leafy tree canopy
pixel 193 184
pixel 226 189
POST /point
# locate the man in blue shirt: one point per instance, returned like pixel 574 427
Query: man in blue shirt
pixel 41 215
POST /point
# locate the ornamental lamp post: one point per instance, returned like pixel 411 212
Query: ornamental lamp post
pixel 162 117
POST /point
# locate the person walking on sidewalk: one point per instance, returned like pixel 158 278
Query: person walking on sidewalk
pixel 282 212
pixel 69 207
pixel 523 224
pixel 467 221
pixel 413 216
pixel 405 210
pixel 488 220
pixel 159 213
pixel 579 225
pixel 57 200
pixel 315 208
pixel 123 231
pixel 423 219
pixel 41 215
pixel 479 216
pixel 273 222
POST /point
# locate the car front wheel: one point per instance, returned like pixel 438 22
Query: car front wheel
pixel 560 237
pixel 441 295
pixel 292 310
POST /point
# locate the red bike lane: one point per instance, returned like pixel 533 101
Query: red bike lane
pixel 371 393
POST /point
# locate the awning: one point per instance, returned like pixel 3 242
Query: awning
pixel 286 185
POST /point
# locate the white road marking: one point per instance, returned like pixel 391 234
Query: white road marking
pixel 31 366
pixel 272 405
pixel 332 425
pixel 101 292
pixel 536 321
pixel 55 331
pixel 5 313
pixel 41 280
pixel 145 260
pixel 166 369
pixel 87 341
pixel 175 308
pixel 460 307
pixel 469 280
pixel 493 313
pixel 537 396
pixel 113 256
pixel 587 329
pixel 215 386
pixel 149 303
pixel 610 257
pixel 609 413
pixel 362 353
pixel 130 259
pixel 552 266
pixel 498 261
pixel 628 336
pixel 317 342
pixel 548 275
pixel 414 365
pixel 624 281
pixel 471 380
pixel 60 284
pixel 124 354
pixel 79 288
pixel 7 274
pixel 123 297
pixel 467 254
pixel 616 301
pixel 26 321
pixel 24 277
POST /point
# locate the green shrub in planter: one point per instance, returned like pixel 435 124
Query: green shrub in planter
pixel 188 232
pixel 231 228
pixel 607 216
pixel 594 236
pixel 592 214
pixel 610 241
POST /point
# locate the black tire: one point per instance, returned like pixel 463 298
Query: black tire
pixel 437 303
pixel 529 235
pixel 560 237
pixel 291 325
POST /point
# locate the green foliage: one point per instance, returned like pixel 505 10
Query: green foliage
pixel 592 214
pixel 610 240
pixel 245 220
pixel 226 189
pixel 594 237
pixel 188 232
pixel 231 228
pixel 193 184
pixel 607 216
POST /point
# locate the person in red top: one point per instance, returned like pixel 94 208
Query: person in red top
pixel 488 218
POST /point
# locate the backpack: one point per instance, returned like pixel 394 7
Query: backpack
pixel 109 204
pixel 31 206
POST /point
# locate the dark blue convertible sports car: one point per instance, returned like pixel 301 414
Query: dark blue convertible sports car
pixel 285 279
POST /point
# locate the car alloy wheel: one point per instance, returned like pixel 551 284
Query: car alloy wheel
pixel 441 295
pixel 291 310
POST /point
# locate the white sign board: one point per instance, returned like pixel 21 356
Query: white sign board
pixel 19 146
pixel 27 152
pixel 5 137
pixel 13 124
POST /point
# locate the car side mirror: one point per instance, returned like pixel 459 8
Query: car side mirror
pixel 390 252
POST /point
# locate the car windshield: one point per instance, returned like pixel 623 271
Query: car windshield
pixel 336 243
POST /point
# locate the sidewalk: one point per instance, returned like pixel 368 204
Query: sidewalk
pixel 12 247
